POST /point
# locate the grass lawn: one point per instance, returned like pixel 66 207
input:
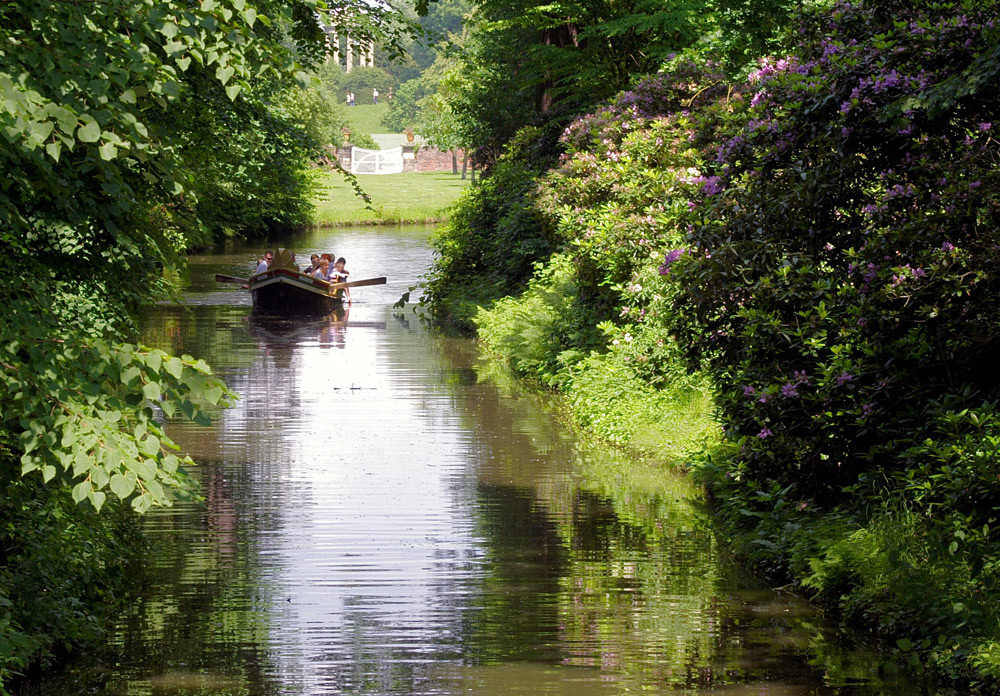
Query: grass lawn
pixel 367 118
pixel 409 197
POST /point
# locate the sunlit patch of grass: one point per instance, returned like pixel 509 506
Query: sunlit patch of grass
pixel 367 118
pixel 407 197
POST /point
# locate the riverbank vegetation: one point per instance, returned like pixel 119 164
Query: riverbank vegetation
pixel 133 130
pixel 794 233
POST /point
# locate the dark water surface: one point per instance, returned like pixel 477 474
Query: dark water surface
pixel 386 513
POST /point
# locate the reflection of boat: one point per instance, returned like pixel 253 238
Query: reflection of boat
pixel 278 330
pixel 284 290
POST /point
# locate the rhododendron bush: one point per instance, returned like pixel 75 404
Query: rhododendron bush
pixel 844 269
pixel 841 286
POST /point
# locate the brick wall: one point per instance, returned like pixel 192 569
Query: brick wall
pixel 430 159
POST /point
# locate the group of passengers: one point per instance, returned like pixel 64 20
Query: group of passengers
pixel 321 266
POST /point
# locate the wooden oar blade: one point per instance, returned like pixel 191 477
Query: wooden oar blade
pixel 220 278
pixel 358 283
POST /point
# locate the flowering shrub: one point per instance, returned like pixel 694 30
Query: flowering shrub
pixel 841 288
pixel 843 271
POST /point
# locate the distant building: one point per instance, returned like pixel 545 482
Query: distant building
pixel 364 49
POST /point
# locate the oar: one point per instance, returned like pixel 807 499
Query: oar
pixel 219 278
pixel 358 283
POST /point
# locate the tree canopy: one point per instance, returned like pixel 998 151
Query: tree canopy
pixel 131 127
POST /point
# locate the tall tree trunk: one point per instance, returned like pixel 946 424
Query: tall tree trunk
pixel 465 164
pixel 563 37
pixel 454 161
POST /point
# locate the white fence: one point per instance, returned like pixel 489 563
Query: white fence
pixel 376 161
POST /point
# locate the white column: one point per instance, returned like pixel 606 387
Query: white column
pixel 350 54
pixel 371 54
pixel 335 40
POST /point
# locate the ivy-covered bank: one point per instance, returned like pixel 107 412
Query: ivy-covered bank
pixel 808 255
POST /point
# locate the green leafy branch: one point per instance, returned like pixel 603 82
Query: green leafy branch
pixel 91 413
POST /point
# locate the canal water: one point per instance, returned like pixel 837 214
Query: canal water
pixel 386 512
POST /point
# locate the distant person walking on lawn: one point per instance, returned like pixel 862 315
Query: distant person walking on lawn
pixel 375 96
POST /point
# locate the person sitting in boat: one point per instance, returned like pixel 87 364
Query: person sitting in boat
pixel 323 271
pixel 339 274
pixel 313 264
pixel 263 263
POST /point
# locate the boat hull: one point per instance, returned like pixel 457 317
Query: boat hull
pixel 284 291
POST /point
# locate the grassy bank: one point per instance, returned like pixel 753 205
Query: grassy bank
pixel 396 198
pixel 367 118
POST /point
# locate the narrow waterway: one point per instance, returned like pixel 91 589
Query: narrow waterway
pixel 386 513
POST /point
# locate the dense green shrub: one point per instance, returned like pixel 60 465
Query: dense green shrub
pixel 843 271
pixel 64 571
pixel 404 111
pixel 495 234
pixel 820 244
pixel 591 320
pixel 840 287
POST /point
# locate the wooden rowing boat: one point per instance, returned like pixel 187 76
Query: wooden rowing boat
pixel 289 291
pixel 283 289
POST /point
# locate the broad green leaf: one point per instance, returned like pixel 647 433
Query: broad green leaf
pixel 233 91
pixel 170 463
pixel 213 394
pixel 250 15
pixel 97 499
pixel 142 503
pixel 154 359
pixel 183 63
pixel 150 446
pixel 130 374
pixel 82 462
pixel 98 477
pixel 54 149
pixel 174 367
pixel 144 468
pixel 151 390
pixel 222 74
pixel 81 490
pixel 90 131
pixel 110 416
pixel 123 485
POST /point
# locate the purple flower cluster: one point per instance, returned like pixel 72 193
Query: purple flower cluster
pixel 669 259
